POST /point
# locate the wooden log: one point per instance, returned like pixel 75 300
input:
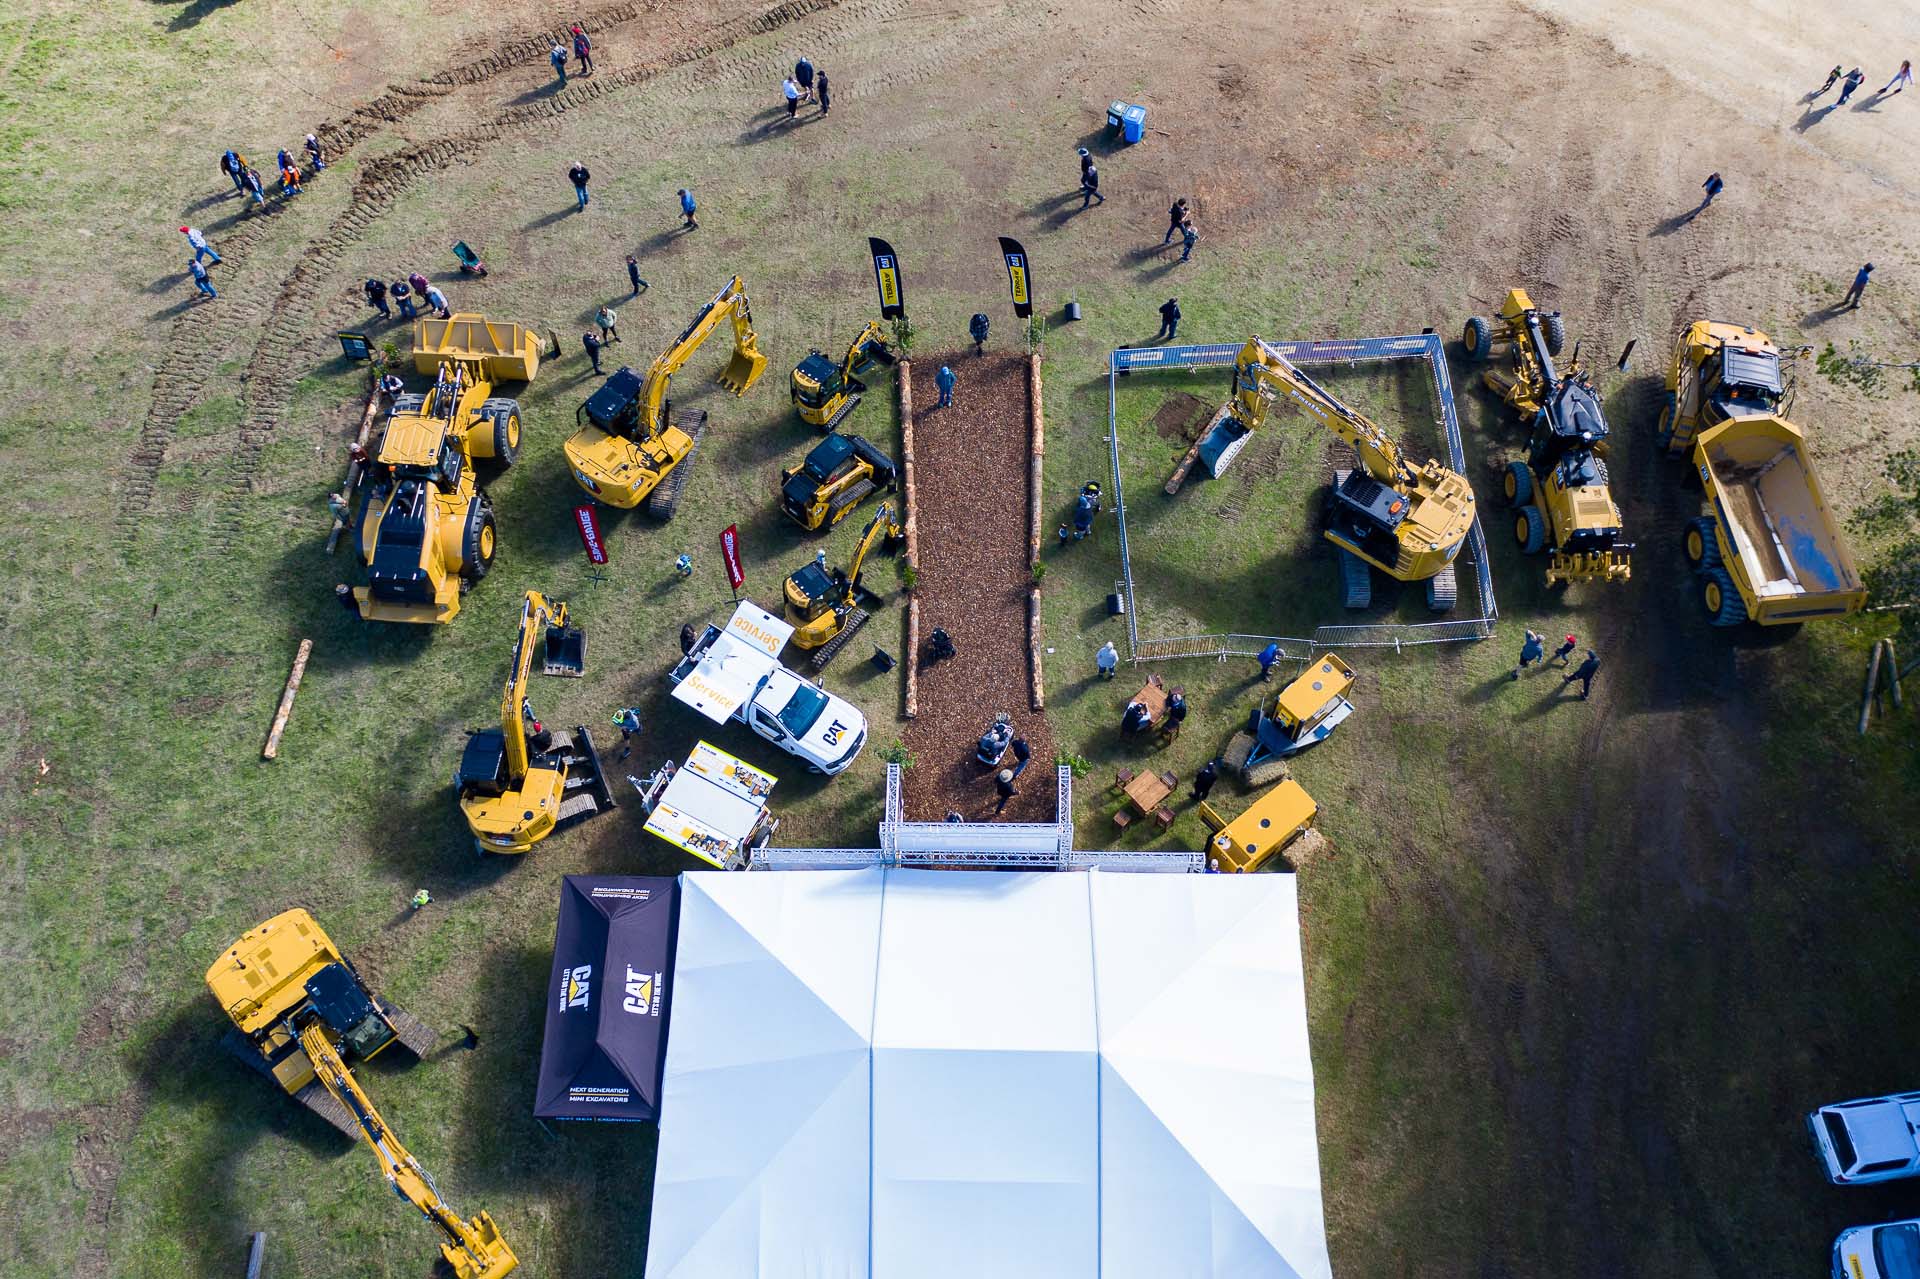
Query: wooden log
pixel 913 659
pixel 907 491
pixel 272 749
pixel 1037 694
pixel 354 468
pixel 1036 443
pixel 1179 476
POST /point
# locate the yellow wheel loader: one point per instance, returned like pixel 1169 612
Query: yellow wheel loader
pixel 425 528
pixel 300 1014
pixel 1382 511
pixel 1770 550
pixel 824 606
pixel 630 447
pixel 1559 494
pixel 519 783
pixel 838 474
pixel 824 393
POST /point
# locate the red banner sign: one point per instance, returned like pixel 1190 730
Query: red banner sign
pixel 589 526
pixel 730 552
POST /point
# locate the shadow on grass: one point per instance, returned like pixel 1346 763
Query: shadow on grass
pixel 548 219
pixel 1814 116
pixel 194 13
pixel 538 93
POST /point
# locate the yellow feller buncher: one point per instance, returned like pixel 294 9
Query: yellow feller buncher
pixel 824 605
pixel 300 1013
pixel 1559 494
pixel 824 393
pixel 1769 550
pixel 1382 511
pixel 521 782
pixel 630 447
pixel 425 528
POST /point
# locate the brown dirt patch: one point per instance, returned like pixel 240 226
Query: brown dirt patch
pixel 1181 417
pixel 971 485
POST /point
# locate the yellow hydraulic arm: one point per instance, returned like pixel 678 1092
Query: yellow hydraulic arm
pixel 741 372
pixel 1260 371
pixel 537 612
pixel 474 1249
pixel 879 527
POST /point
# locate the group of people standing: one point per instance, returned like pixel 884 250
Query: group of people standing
pixel 409 294
pixel 582 49
pixel 806 85
pixel 246 179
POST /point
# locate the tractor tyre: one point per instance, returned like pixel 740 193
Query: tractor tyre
pixel 1721 598
pixel 1554 330
pixel 1477 339
pixel 411 402
pixel 1701 544
pixel 1518 484
pixel 1530 529
pixel 478 542
pixel 1664 425
pixel 505 417
pixel 1235 756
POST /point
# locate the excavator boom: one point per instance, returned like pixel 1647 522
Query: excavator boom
pixel 742 371
pixel 1261 371
pixel 535 613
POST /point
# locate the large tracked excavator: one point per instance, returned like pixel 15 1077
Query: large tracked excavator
pixel 300 1014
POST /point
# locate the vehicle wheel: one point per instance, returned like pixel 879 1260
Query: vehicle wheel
pixel 1234 758
pixel 479 542
pixel 1530 529
pixel 1663 427
pixel 1721 598
pixel 1555 332
pixel 1477 339
pixel 1701 544
pixel 505 415
pixel 1518 484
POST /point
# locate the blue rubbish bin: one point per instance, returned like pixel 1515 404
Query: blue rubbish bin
pixel 1133 123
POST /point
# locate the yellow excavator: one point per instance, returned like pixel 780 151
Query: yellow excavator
pixel 630 447
pixel 824 605
pixel 1559 494
pixel 824 393
pixel 1382 511
pixel 300 1011
pixel 425 528
pixel 522 781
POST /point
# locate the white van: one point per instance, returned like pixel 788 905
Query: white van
pixel 1889 1251
pixel 1870 1140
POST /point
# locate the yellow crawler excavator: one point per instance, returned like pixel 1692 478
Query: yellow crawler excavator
pixel 300 1011
pixel 522 781
pixel 630 448
pixel 1382 511
pixel 823 392
pixel 824 605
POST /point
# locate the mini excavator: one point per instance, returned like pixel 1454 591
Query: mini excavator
pixel 300 1012
pixel 521 782
pixel 1382 511
pixel 824 393
pixel 630 447
pixel 1559 493
pixel 824 606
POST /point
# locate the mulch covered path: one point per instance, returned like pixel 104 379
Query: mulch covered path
pixel 970 480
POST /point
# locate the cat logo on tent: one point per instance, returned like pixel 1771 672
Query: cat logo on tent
pixel 577 987
pixel 642 993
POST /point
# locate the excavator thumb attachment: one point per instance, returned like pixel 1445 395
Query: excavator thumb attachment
pixel 483 1254
pixel 566 651
pixel 743 370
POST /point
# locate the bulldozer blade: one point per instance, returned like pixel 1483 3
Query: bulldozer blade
pixel 587 794
pixel 566 651
pixel 742 371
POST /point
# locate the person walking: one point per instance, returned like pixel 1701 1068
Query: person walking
pixel 421 897
pixel 1712 186
pixel 633 275
pixel 200 280
pixel 1859 289
pixel 684 564
pixel 558 57
pixel 255 187
pixel 231 166
pixel 283 160
pixel 803 76
pixel 1832 76
pixel 578 175
pixel 1189 237
pixel 1086 161
pixel 944 380
pixel 1901 79
pixel 1559 657
pixel 438 301
pixel 314 154
pixel 820 87
pixel 1169 320
pixel 591 341
pixel 627 720
pixel 1090 185
pixel 1003 783
pixel 1176 218
pixel 403 298
pixel 1107 660
pixel 376 291
pixel 609 321
pixel 977 328
pixel 289 182
pixel 1584 673
pixel 583 50
pixel 1204 779
pixel 1532 649
pixel 199 243
pixel 1855 78
pixel 687 221
pixel 1268 656
pixel 1022 755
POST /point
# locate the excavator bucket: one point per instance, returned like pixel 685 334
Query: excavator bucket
pixel 482 1253
pixel 566 651
pixel 743 370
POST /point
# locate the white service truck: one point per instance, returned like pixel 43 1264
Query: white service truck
pixel 735 673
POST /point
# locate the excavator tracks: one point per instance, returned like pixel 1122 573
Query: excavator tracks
pixel 831 649
pixel 665 499
pixel 415 1035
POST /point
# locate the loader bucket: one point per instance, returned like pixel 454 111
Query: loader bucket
pixel 566 651
pixel 743 370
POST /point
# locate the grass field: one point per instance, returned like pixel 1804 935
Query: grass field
pixel 1575 970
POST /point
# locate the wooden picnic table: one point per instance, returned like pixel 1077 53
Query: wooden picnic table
pixel 1148 790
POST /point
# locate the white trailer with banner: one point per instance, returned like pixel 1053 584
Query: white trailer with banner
pixel 713 806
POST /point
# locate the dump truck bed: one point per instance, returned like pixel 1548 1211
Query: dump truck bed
pixel 511 351
pixel 1778 536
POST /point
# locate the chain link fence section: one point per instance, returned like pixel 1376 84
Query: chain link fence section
pixel 1426 347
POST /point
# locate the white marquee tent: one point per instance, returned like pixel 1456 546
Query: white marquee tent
pixel 940 1073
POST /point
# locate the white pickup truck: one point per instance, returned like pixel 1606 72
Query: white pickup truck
pixel 735 673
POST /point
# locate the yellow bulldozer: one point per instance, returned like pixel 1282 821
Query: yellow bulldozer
pixel 1559 494
pixel 425 528
pixel 1382 512
pixel 630 447
pixel 824 605
pixel 838 474
pixel 300 1013
pixel 824 393
pixel 519 783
